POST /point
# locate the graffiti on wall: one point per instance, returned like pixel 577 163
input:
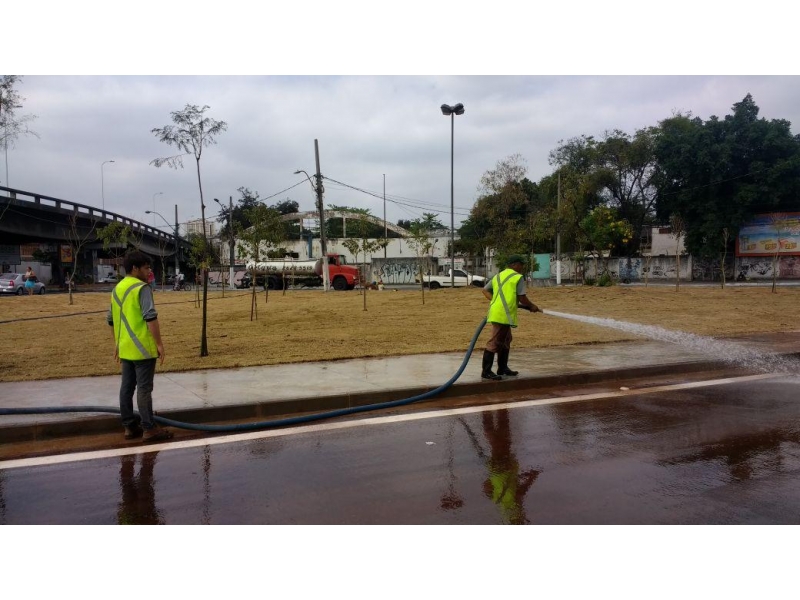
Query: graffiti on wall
pixel 761 268
pixel 708 269
pixel 789 267
pixel 395 270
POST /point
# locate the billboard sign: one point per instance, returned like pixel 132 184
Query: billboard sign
pixel 767 234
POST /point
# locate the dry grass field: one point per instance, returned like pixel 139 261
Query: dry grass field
pixel 44 337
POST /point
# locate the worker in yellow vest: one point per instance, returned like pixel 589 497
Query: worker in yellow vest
pixel 137 347
pixel 506 292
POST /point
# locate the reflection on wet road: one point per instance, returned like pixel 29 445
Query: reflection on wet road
pixel 721 454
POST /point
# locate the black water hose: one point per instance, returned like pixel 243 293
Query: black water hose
pixel 262 424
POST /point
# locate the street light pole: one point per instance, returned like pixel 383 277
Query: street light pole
pixel 154 207
pixel 452 111
pixel 385 230
pixel 230 239
pixel 318 189
pixel 102 182
pixel 177 239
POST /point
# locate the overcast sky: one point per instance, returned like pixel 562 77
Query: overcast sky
pixel 368 126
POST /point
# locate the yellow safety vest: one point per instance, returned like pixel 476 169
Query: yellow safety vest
pixel 503 307
pixel 134 340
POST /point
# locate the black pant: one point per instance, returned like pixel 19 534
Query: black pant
pixel 138 375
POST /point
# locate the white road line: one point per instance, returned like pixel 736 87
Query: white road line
pixel 258 435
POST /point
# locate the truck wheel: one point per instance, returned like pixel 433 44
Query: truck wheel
pixel 435 285
pixel 273 284
pixel 339 284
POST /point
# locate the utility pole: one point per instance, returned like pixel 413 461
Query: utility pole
pixel 177 242
pixel 558 231
pixel 385 230
pixel 230 232
pixel 325 282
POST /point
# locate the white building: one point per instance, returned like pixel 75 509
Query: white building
pixel 196 227
pixel 659 241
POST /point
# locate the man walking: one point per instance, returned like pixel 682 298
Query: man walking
pixel 137 346
pixel 505 291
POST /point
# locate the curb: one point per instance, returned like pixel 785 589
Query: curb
pixel 266 410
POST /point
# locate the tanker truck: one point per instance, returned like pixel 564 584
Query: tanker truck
pixel 277 274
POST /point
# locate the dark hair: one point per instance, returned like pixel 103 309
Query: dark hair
pixel 136 259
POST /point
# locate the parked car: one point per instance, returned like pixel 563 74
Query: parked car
pixel 14 283
pixel 461 279
pixel 110 278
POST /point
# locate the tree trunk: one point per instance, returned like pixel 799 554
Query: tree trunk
pixel 775 272
pixel 253 303
pixel 203 337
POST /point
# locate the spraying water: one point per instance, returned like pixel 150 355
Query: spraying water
pixel 724 350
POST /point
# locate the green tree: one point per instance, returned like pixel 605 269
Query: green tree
pixel 364 245
pixel 777 222
pixel 116 238
pixel 719 173
pixel 266 231
pixel 334 227
pixel 604 231
pixel 192 131
pixel 78 238
pixel 620 171
pixel 420 240
pixel 513 214
pixel 472 240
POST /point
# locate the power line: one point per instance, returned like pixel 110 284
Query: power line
pixel 427 207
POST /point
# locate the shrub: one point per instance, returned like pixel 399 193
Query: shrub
pixel 605 280
pixel 589 281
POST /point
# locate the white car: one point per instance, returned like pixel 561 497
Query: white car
pixel 14 283
pixel 461 279
pixel 110 278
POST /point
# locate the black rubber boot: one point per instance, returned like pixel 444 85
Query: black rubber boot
pixel 486 372
pixel 502 364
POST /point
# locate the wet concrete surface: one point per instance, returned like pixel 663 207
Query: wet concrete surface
pixel 721 454
pixel 222 394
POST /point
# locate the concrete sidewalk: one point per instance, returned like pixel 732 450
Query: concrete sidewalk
pixel 262 392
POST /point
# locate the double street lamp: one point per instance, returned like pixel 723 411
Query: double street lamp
pixel 323 245
pixel 102 182
pixel 177 238
pixel 452 111
pixel 230 240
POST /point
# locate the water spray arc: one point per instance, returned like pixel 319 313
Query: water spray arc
pixel 724 350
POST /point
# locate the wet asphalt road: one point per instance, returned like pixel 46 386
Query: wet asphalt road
pixel 721 454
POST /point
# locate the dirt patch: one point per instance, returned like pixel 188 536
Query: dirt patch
pixel 310 325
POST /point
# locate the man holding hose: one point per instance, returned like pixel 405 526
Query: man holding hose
pixel 505 291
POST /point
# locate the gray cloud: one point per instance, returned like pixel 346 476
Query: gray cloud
pixel 367 126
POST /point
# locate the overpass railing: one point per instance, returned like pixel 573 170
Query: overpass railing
pixel 84 210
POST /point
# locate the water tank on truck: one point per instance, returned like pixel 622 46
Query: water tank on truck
pixel 277 274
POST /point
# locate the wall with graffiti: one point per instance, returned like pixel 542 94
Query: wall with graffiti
pixel 762 268
pixel 396 270
pixel 622 269
pixel 663 268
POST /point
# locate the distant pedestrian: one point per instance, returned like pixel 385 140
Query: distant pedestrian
pixel 30 281
pixel 137 346
pixel 151 281
pixel 505 291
